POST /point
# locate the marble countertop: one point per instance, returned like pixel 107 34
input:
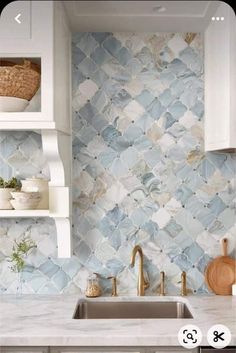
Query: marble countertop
pixel 33 320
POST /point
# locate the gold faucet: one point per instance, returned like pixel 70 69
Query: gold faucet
pixel 183 284
pixel 142 283
pixel 162 286
pixel 114 286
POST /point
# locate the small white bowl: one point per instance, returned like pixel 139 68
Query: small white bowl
pixel 12 104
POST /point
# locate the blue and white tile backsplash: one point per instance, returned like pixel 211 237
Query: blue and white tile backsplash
pixel 140 172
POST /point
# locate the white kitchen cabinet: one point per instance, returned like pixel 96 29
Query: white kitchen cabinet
pixel 220 80
pixel 49 43
pixel 169 349
pixel 97 350
pixel 24 349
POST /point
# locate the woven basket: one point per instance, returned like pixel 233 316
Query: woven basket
pixel 20 81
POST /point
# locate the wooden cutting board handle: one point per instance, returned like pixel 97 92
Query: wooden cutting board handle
pixel 225 246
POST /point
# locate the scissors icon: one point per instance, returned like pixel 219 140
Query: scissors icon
pixel 218 336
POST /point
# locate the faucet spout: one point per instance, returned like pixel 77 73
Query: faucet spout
pixel 142 283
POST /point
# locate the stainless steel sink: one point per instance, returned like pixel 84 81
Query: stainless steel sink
pixel 92 309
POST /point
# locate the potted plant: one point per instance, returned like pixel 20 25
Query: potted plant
pixel 21 249
pixel 6 187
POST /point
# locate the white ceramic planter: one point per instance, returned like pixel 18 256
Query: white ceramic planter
pixel 25 200
pixel 5 197
pixel 37 185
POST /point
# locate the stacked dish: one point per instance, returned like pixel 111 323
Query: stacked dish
pixel 25 200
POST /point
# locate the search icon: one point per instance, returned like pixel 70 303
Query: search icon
pixel 190 336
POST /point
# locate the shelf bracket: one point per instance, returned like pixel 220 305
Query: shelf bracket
pixel 57 150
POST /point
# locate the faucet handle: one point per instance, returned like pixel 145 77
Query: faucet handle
pixel 146 281
pixel 184 291
pixel 162 283
pixel 114 286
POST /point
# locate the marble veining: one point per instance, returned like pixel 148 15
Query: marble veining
pixel 47 321
pixel 140 174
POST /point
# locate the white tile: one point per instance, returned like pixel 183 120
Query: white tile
pixel 88 88
pixel 161 217
pixel 134 110
pixel 177 43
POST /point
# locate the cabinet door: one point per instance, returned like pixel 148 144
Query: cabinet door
pixel 171 349
pixel 121 350
pixel 24 350
pixel 220 81
pixel 97 350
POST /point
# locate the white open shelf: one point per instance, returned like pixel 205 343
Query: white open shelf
pixel 50 46
pixel 26 125
pixel 23 213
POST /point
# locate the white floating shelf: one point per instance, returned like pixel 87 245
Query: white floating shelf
pixel 26 125
pixel 23 213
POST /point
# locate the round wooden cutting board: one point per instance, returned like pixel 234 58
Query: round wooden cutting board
pixel 220 273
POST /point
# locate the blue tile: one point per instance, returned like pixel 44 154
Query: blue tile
pixel 76 37
pixel 116 215
pixel 107 157
pixel 141 162
pixel 111 87
pixel 110 133
pixel 88 112
pixel 166 97
pixel 145 98
pixel 203 262
pixel 134 66
pixel 98 122
pixel 99 77
pixel 123 56
pixel 61 280
pixel 100 36
pixel 169 120
pixel 177 109
pixel 77 55
pixel 87 67
pixel 87 44
pixel 182 262
pixel 121 99
pixel 155 109
pixel 216 205
pixel 114 266
pixel 198 109
pixel 100 56
pixel 194 252
pixel 183 193
pixel 205 169
pixel 119 144
pixel 115 239
pixel 112 45
pixel 49 269
pixel 122 76
pixel 173 228
pixel 177 67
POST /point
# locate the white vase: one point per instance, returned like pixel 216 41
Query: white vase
pixel 5 197
pixel 19 285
